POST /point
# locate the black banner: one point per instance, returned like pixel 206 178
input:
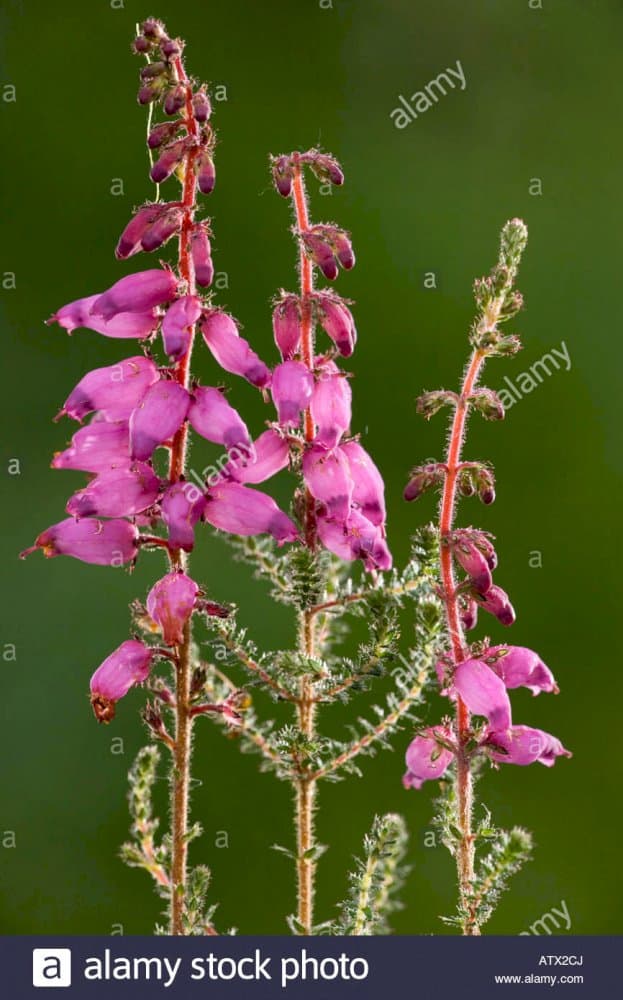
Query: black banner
pixel 297 968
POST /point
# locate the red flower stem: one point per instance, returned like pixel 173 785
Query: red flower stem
pixel 180 783
pixel 464 782
pixel 306 705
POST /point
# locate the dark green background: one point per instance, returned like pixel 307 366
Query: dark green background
pixel 543 99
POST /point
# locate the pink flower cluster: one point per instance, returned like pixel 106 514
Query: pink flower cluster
pixel 340 476
pixel 137 407
pixel 482 681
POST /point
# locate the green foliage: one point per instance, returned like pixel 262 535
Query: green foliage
pixel 142 851
pixel 499 855
pixel 376 880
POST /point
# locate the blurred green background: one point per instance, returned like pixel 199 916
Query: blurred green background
pixel 543 100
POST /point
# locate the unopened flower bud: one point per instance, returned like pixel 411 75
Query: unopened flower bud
pixel 162 229
pixel 282 175
pixel 287 325
pixel 175 99
pixel 153 29
pixel 487 402
pixel 153 70
pixel 141 45
pixel 151 91
pixel 206 172
pixel 337 321
pixel 162 133
pixel 201 254
pixel 321 253
pixel 325 167
pixel 130 239
pixel 485 484
pixel 202 108
pixel 172 48
pixel 429 403
pixel 170 158
pixel 423 478
pixel 344 250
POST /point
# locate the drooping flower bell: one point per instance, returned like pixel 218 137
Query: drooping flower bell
pixel 170 604
pixel 127 666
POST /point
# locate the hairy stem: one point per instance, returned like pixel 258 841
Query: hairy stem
pixel 180 782
pixel 305 784
pixel 464 779
pixel 464 783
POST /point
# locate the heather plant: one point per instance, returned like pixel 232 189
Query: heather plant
pixel 187 650
pixel 326 559
pixel 476 676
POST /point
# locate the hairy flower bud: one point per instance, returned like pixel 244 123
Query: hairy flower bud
pixel 287 325
pixel 206 172
pixel 283 175
pixel 175 99
pixel 201 254
pixel 325 167
pixel 429 403
pixel 169 159
pixel 202 108
pixel 424 478
pixel 162 133
pixel 337 321
pixel 131 237
pixel 487 402
pixel 162 229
